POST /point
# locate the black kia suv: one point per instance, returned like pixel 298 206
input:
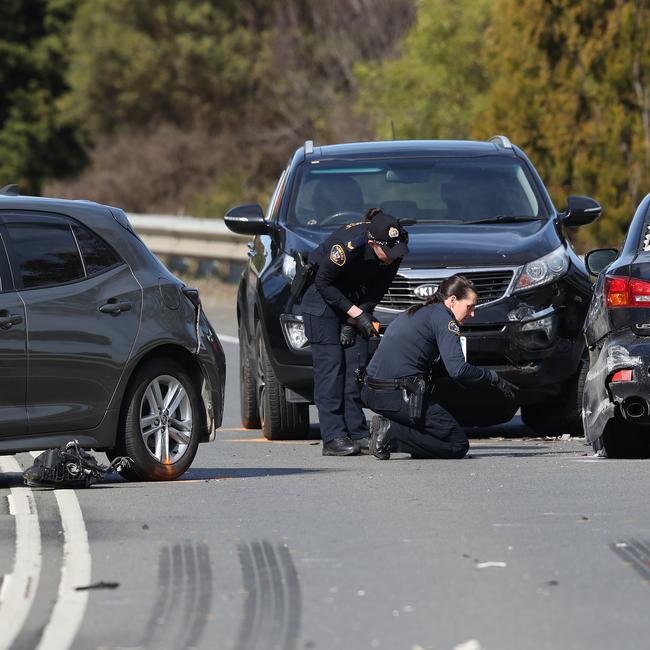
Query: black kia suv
pixel 480 209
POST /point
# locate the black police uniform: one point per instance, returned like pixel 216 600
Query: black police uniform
pixel 349 273
pixel 411 345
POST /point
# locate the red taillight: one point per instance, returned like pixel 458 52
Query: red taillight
pixel 626 292
pixel 622 375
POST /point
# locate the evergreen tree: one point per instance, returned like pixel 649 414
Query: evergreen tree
pixel 34 143
pixel 437 85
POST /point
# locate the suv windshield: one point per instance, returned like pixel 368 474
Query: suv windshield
pixel 458 190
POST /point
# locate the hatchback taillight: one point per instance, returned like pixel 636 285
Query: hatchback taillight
pixel 626 292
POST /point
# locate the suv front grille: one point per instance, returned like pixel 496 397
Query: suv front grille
pixel 490 286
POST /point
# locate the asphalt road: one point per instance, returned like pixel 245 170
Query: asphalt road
pixel 525 544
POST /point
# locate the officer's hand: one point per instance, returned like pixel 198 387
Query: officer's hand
pixel 508 389
pixel 364 324
pixel 348 334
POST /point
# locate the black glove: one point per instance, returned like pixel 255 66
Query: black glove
pixel 363 323
pixel 348 334
pixel 508 389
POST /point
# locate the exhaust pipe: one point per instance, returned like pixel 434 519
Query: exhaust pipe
pixel 635 408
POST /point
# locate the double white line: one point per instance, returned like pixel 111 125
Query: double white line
pixel 19 587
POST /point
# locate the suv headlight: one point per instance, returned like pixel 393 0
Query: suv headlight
pixel 543 270
pixel 289 267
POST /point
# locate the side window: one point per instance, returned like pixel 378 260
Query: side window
pixel 97 254
pixel 45 253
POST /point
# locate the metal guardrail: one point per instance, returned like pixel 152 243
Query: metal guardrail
pixel 207 239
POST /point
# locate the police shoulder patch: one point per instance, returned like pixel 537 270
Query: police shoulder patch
pixel 453 327
pixel 337 255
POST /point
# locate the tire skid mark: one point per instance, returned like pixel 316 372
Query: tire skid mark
pixel 635 553
pixel 181 610
pixel 272 607
pixel 245 638
pixel 204 595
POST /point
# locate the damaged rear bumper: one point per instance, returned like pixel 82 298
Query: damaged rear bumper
pixel 603 399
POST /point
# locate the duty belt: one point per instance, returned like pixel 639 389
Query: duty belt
pixel 414 386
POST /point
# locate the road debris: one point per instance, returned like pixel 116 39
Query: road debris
pixel 488 565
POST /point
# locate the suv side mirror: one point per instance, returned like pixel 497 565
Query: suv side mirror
pixel 246 219
pixel 580 211
pixel 600 258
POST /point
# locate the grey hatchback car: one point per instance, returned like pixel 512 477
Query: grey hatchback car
pixel 99 342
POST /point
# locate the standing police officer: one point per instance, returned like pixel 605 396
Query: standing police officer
pixel 396 385
pixel 355 268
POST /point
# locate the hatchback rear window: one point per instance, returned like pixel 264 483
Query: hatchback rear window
pixel 46 253
pixel 97 254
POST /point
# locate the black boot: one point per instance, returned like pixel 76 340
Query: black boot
pixel 340 447
pixel 363 444
pixel 380 437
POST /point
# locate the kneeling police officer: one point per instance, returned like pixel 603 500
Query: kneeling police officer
pixel 355 267
pixel 398 384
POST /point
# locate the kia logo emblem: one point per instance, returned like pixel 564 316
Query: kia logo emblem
pixel 425 291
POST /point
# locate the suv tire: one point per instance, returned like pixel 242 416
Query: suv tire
pixel 280 420
pixel 149 406
pixel 559 415
pixel 250 414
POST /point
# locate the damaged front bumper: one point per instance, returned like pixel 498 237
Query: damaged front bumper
pixel 607 395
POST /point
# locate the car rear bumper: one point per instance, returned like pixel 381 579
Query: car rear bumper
pixel 604 399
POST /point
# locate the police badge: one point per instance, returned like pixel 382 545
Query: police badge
pixel 453 327
pixel 393 233
pixel 337 255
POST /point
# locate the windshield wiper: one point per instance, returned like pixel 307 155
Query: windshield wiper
pixel 506 218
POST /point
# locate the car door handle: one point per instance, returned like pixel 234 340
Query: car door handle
pixel 9 321
pixel 115 307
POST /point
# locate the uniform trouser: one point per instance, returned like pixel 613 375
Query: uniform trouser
pixel 436 433
pixel 336 391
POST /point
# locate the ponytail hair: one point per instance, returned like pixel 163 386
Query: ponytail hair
pixel 372 213
pixel 456 285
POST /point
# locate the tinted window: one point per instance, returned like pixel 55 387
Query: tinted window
pixel 45 253
pixel 97 254
pixel 449 189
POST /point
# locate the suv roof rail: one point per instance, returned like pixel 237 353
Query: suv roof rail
pixel 309 147
pixel 501 141
pixel 10 190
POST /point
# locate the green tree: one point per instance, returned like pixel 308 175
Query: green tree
pixel 437 85
pixel 571 85
pixel 138 63
pixel 34 142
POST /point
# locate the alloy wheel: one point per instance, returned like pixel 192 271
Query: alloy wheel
pixel 166 419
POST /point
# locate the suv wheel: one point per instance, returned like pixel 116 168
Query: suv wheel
pixel 160 424
pixel 250 414
pixel 559 415
pixel 280 420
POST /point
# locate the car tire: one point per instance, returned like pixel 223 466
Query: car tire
pixel 559 415
pixel 279 419
pixel 159 455
pixel 622 439
pixel 250 414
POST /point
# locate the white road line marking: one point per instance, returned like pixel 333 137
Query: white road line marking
pixel 70 607
pixel 19 587
pixel 228 339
